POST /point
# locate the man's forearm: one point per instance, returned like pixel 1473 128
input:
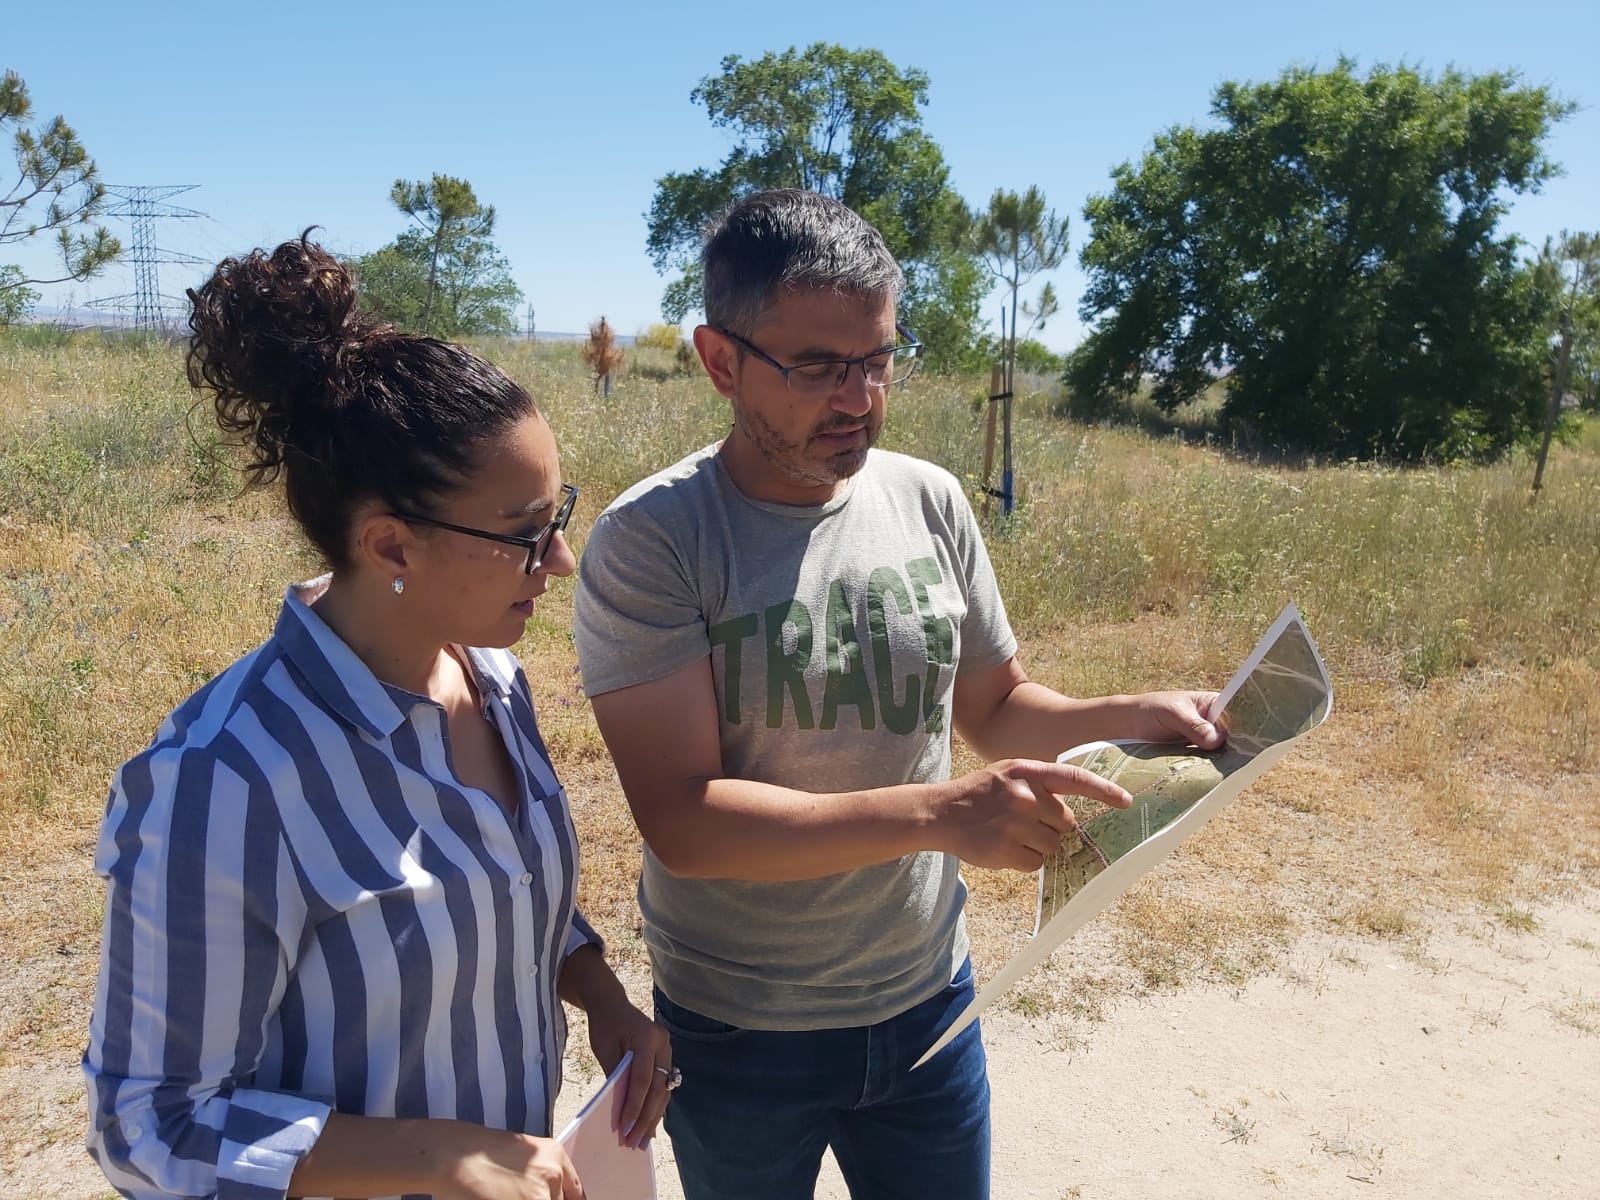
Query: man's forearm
pixel 701 823
pixel 1032 721
pixel 738 829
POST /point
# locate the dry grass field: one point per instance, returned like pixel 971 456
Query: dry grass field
pixel 1459 774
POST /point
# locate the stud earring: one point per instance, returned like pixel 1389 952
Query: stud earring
pixel 399 585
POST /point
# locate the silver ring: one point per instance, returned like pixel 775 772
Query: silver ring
pixel 674 1077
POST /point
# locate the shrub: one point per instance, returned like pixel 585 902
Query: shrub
pixel 660 336
pixel 602 354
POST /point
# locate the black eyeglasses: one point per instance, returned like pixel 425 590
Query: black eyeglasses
pixel 817 378
pixel 537 546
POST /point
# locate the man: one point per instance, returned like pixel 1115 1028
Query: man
pixel 778 634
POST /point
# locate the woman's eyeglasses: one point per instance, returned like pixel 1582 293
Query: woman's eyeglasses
pixel 537 546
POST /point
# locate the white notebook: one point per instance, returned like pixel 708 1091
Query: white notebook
pixel 609 1170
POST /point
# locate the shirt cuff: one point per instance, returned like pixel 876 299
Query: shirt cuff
pixel 582 934
pixel 265 1136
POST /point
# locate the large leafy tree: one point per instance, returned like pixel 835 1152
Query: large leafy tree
pixel 57 191
pixel 445 276
pixel 848 124
pixel 1330 246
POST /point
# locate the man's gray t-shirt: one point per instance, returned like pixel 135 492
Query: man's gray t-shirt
pixel 835 633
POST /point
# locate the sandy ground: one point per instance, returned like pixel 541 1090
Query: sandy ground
pixel 1468 1066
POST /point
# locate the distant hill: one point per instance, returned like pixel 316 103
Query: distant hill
pixel 550 335
pixel 89 318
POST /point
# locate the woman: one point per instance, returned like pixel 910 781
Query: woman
pixel 340 918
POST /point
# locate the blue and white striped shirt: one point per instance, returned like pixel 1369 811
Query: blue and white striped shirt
pixel 308 912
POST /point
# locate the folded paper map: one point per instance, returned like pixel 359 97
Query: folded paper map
pixel 1280 694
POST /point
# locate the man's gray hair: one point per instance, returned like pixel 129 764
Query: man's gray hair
pixel 790 239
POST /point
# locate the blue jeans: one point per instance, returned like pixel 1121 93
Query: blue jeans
pixel 757 1107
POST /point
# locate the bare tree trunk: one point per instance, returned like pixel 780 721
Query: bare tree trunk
pixel 1008 501
pixel 1011 358
pixel 996 374
pixel 433 275
pixel 1558 389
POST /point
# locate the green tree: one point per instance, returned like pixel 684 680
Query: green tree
pixel 449 214
pixel 451 285
pixel 16 298
pixel 394 283
pixel 1330 247
pixel 477 291
pixel 1570 268
pixel 1569 271
pixel 58 190
pixel 1036 358
pixel 1017 239
pixel 1584 367
pixel 847 124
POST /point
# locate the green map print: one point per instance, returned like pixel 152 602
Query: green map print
pixel 1164 780
pixel 1284 695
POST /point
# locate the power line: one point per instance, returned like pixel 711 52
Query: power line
pixel 143 206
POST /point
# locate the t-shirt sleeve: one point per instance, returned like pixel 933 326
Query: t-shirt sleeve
pixel 986 636
pixel 638 615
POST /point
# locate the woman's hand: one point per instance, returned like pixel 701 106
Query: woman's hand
pixel 492 1164
pixel 615 1028
pixel 459 1160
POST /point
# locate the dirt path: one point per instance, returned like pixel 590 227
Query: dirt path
pixel 1466 1067
pixel 1472 1070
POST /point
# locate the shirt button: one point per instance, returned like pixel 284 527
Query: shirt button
pixel 132 1132
pixel 527 878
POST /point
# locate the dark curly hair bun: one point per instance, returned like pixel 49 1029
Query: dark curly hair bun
pixel 346 408
pixel 274 339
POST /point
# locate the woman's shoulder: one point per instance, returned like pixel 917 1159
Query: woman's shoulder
pixel 213 711
pixel 220 723
pixel 202 752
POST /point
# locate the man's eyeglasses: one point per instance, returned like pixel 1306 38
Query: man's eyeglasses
pixel 818 378
pixel 537 546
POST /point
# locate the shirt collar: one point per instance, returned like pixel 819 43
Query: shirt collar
pixel 345 683
pixel 490 676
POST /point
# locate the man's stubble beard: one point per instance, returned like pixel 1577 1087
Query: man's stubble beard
pixel 789 458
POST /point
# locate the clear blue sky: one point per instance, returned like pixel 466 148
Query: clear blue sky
pixel 563 115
